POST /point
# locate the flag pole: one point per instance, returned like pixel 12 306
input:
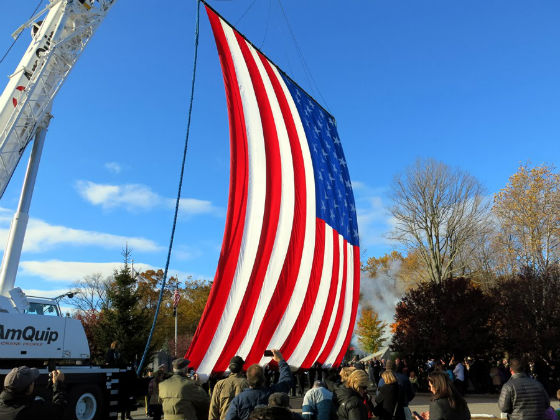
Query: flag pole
pixel 175 314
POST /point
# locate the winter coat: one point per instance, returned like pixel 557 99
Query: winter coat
pixel 523 398
pixel 183 399
pixel 440 409
pixel 389 396
pixel 24 407
pixel 224 391
pixel 350 404
pixel 317 404
pixel 243 403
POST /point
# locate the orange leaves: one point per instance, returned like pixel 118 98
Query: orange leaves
pixel 370 330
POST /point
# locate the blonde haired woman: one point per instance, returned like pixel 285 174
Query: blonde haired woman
pixel 390 399
pixel 351 398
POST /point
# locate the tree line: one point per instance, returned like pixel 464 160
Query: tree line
pixel 475 272
pixel 121 308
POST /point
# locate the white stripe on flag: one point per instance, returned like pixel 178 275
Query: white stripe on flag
pixel 292 311
pixel 255 203
pixel 337 348
pixel 308 337
pixel 338 293
pixel 286 216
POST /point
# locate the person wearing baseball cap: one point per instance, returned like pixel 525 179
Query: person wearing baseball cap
pixel 226 389
pixel 18 403
pixel 181 397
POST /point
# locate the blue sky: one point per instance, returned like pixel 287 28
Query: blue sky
pixel 473 83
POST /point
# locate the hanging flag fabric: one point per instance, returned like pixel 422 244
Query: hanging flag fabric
pixel 176 298
pixel 289 270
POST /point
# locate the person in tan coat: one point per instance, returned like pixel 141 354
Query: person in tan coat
pixel 181 397
pixel 226 389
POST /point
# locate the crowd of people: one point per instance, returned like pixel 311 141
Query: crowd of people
pixel 376 389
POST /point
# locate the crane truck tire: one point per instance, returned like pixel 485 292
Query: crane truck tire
pixel 85 403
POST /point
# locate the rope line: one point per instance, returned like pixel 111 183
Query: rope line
pixel 139 368
pixel 301 57
pixel 17 37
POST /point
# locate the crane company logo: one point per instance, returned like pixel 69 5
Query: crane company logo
pixel 28 334
pixel 40 53
pixel 14 99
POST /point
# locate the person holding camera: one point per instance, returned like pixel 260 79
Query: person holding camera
pixel 17 401
pixel 257 393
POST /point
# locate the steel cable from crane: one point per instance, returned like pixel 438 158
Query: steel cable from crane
pixel 17 37
pixel 139 368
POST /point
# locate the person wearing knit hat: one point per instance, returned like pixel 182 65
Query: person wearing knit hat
pixel 17 400
pixel 352 398
pixel 226 389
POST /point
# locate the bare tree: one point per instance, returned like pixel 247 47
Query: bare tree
pixel 90 293
pixel 439 212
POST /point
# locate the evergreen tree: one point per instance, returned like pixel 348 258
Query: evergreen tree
pixel 122 319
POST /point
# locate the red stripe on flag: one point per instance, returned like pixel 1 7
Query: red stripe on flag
pixel 288 277
pixel 270 217
pixel 310 296
pixel 341 303
pixel 237 204
pixel 322 330
pixel 355 299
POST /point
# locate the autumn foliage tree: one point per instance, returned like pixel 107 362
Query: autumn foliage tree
pixel 436 319
pixel 528 212
pixel 370 330
pixel 526 314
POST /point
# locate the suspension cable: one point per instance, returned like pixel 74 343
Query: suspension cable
pixel 178 192
pixel 18 35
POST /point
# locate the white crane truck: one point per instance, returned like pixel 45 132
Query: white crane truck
pixel 33 330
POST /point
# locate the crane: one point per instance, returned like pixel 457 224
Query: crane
pixel 60 32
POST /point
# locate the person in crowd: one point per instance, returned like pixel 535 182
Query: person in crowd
pixel 257 394
pixel 459 375
pixel 413 381
pixel 18 403
pixel 447 403
pixel 390 399
pixel 558 398
pixel 113 356
pixel 181 397
pixel 154 404
pixel 317 403
pixel 280 402
pixel 226 389
pixel 345 373
pixel 522 398
pixel 352 400
pixel 403 381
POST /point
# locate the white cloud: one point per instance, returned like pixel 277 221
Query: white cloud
pixel 113 167
pixel 134 197
pixel 41 236
pixel 374 219
pixel 70 271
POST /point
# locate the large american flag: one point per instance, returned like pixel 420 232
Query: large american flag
pixel 289 270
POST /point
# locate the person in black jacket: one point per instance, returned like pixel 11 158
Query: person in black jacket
pixel 17 401
pixel 447 403
pixel 352 399
pixel 390 399
pixel 257 394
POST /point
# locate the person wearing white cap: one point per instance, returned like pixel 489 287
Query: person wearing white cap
pixel 17 401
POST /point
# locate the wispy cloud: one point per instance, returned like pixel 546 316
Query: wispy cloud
pixel 113 167
pixel 374 218
pixel 41 236
pixel 69 271
pixel 136 197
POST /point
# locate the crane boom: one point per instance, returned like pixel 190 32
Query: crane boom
pixel 57 43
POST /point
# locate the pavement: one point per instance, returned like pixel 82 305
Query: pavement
pixel 480 405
